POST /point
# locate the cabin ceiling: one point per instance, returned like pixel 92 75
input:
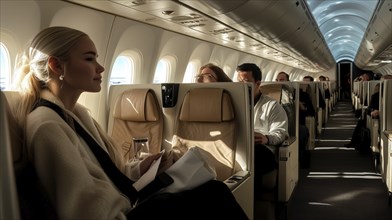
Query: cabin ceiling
pixel 312 35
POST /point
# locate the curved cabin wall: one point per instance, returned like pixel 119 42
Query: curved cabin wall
pixel 21 20
pixel 378 36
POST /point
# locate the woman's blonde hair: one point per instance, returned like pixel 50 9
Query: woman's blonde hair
pixel 33 71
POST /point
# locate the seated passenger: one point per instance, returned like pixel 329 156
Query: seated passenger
pixel 326 88
pixel 212 73
pixel 305 109
pixel 60 65
pixel 321 99
pixel 363 77
pixel 270 124
pixel 282 77
pixel 358 137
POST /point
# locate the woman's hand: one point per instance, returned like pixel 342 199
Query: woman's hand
pixel 146 163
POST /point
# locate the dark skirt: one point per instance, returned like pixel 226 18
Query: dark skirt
pixel 212 200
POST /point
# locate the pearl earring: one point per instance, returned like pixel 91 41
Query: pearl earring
pixel 61 77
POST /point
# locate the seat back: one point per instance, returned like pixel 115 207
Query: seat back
pixel 287 174
pixel 284 94
pixel 18 154
pixel 9 205
pixel 272 90
pixel 386 132
pixel 31 201
pixel 136 114
pixel 206 119
pixel 310 120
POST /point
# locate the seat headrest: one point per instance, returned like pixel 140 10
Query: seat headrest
pixel 272 90
pixel 207 105
pixel 137 105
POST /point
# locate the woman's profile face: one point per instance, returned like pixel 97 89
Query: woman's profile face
pixel 82 71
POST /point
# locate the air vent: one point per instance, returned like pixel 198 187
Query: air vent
pixel 185 17
pixel 194 22
pixel 139 2
pixel 222 31
pixel 168 12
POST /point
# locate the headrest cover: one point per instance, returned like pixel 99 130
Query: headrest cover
pixel 207 105
pixel 272 90
pixel 137 105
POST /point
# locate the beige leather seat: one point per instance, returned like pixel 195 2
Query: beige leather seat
pixel 9 198
pixel 373 123
pixel 310 120
pixel 386 134
pixel 18 154
pixel 206 119
pixel 28 199
pixel 136 114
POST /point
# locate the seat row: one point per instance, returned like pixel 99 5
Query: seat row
pixel 380 127
pixel 216 117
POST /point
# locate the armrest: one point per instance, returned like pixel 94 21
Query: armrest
pixel 288 141
pixel 236 179
pixel 241 185
pixel 388 134
pixel 288 169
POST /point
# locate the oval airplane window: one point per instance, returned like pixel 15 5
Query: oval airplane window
pixel 190 74
pixel 235 76
pixel 5 72
pixel 228 70
pixel 122 71
pixel 161 72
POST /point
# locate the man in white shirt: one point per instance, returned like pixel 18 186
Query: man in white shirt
pixel 270 125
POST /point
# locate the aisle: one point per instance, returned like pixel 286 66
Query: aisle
pixel 340 184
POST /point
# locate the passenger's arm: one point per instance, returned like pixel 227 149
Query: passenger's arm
pixel 260 138
pixel 278 124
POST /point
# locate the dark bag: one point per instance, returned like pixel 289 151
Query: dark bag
pixel 33 202
pixel 191 204
pixel 364 138
pixel 361 137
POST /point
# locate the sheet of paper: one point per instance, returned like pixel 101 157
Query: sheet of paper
pixel 148 176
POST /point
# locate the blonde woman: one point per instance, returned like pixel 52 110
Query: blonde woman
pixel 61 64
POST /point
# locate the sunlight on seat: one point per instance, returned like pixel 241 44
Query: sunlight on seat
pixel 215 133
